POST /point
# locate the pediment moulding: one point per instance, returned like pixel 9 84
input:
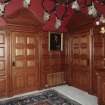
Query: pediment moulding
pixel 22 17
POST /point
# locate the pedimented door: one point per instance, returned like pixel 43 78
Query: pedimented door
pixel 24 62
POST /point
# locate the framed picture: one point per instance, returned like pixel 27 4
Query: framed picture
pixel 55 41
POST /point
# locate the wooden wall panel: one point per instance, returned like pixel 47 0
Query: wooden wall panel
pixel 68 59
pixel 52 64
pixel 99 55
pixel 19 80
pixel 101 86
pixel 98 51
pixel 78 55
pixel 99 64
pixel 3 65
pixel 3 86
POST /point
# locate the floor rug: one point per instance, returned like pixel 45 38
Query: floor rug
pixel 49 97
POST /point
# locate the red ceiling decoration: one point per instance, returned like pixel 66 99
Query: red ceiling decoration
pixel 59 12
pixel 61 8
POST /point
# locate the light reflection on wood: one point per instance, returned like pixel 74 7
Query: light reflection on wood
pixel 20 52
pixel 1 52
pixel 30 63
pixel 20 40
pixel 30 40
pixel 1 38
pixel 1 65
pixel 30 51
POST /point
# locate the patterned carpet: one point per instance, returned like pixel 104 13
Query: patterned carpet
pixel 49 97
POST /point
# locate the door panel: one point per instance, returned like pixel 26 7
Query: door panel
pixel 24 57
pixel 31 80
pixel 31 61
pixel 3 86
pixel 19 81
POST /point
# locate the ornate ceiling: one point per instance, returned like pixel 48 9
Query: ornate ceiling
pixel 62 11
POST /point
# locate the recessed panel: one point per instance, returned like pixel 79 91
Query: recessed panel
pixel 1 52
pixel 20 82
pixel 31 80
pixel 20 40
pixel 84 45
pixel 54 78
pixel 1 65
pixel 20 63
pixel 75 61
pixel 84 51
pixel 30 51
pixel 1 38
pixel 84 62
pixel 20 52
pixel 30 40
pixel 49 79
pixel 62 77
pixel 75 51
pixel 2 86
pixel 30 63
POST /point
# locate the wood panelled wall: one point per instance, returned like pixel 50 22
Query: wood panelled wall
pixel 85 60
pixel 52 64
pixel 26 64
pixel 78 58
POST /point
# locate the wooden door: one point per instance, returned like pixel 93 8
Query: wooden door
pixel 24 62
pixel 81 64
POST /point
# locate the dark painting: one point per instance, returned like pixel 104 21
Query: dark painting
pixel 55 41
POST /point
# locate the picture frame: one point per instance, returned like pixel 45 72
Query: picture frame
pixel 55 41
